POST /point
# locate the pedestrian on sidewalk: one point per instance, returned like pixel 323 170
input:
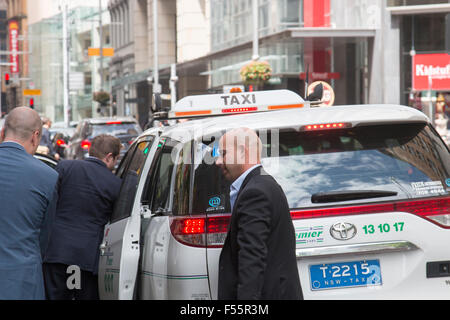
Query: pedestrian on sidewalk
pixel 441 119
pixel 46 141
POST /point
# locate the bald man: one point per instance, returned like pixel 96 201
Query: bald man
pixel 27 188
pixel 258 259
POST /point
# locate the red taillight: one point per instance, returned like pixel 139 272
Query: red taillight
pixel 85 144
pixel 200 231
pixel 60 142
pixel 193 226
pixel 325 126
pixel 114 122
pixel 436 210
pixel 239 110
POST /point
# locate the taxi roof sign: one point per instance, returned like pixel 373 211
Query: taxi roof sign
pixel 239 102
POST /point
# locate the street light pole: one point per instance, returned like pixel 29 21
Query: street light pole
pixel 65 65
pixel 255 55
pixel 156 86
pixel 101 43
pixel 172 84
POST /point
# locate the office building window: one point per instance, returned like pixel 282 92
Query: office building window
pixel 290 13
pixel 231 21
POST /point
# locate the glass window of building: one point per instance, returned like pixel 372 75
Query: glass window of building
pixel 423 33
pixel 290 13
pixel 231 22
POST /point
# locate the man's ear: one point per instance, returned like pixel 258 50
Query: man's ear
pixel 109 157
pixel 36 137
pixel 2 134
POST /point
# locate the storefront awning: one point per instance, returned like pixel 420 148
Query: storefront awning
pixel 331 33
pixel 345 35
pixel 419 9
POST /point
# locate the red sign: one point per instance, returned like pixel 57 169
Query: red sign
pixel 314 76
pixel 431 71
pixel 14 45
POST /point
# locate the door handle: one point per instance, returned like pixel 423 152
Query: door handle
pixel 102 248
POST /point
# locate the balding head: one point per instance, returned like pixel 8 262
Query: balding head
pixel 23 125
pixel 240 149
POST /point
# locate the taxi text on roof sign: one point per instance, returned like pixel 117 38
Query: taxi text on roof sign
pixel 240 102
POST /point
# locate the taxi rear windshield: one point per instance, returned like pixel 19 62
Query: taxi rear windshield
pixel 385 162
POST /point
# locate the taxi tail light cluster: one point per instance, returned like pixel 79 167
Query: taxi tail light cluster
pixel 85 144
pixel 60 142
pixel 201 231
pixel 436 210
pixel 325 126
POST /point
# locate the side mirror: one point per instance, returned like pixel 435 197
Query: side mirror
pixel 157 102
pixel 317 93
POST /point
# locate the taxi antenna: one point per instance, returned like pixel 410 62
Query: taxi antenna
pixel 306 81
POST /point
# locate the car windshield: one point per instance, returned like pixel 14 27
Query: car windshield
pixel 116 129
pixel 401 160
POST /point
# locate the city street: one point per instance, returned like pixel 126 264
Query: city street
pixel 224 150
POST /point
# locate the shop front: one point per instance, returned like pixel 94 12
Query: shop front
pixel 425 66
pixel 298 57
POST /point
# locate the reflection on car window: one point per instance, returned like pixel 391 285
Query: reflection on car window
pixel 182 181
pixel 130 174
pixel 162 178
pixel 390 157
pixel 116 129
pixel 211 192
pixel 405 158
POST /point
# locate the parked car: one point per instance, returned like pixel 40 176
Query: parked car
pixel 124 128
pixel 368 187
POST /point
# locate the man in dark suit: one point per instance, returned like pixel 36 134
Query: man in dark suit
pixel 258 257
pixel 87 190
pixel 27 192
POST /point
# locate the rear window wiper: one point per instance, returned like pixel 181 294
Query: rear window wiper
pixel 335 196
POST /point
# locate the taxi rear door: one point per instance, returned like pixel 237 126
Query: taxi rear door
pixel 120 249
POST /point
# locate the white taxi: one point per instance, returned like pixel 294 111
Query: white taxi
pixel 368 187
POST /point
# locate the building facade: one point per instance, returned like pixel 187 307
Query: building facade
pixel 365 49
pixel 18 42
pixel 339 41
pixel 421 25
pixel 85 73
pixel 132 66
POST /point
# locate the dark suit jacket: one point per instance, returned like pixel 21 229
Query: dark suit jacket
pixel 258 257
pixel 26 196
pixel 86 194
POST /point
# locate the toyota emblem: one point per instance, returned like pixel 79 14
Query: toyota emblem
pixel 343 231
